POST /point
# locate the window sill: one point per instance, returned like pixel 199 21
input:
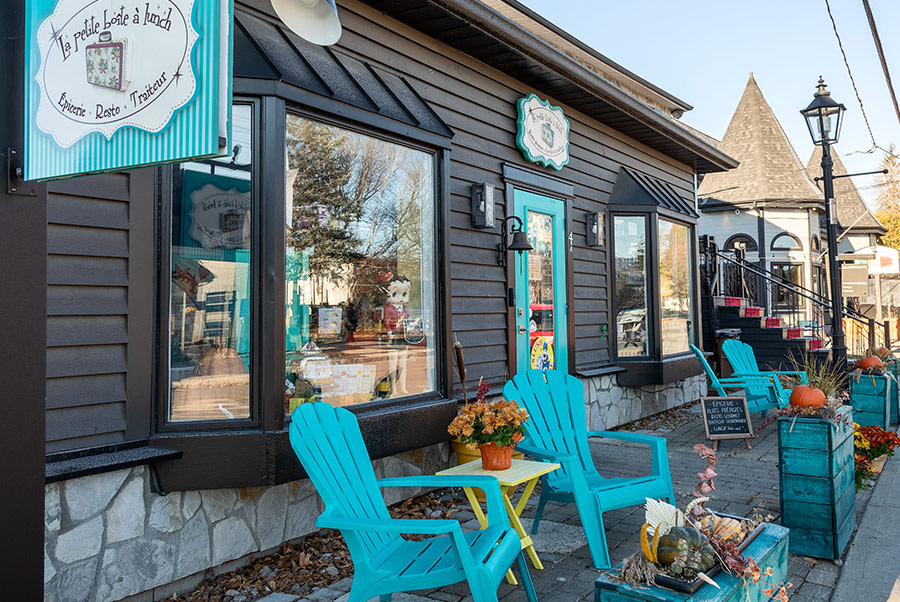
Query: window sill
pixel 599 371
pixel 648 372
pixel 214 460
pixel 98 460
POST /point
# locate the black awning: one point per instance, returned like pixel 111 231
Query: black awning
pixel 263 50
pixel 633 188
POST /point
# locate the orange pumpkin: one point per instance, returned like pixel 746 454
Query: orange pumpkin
pixel 805 396
pixel 869 362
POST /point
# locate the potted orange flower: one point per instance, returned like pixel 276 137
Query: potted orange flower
pixel 494 428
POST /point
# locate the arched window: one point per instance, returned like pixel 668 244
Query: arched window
pixel 740 241
pixel 786 242
pixel 816 243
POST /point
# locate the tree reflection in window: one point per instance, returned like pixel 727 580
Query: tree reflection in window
pixel 359 257
pixel 631 285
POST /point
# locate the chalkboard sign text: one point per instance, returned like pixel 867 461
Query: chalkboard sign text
pixel 726 418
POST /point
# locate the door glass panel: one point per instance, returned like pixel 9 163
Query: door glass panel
pixel 209 308
pixel 675 286
pixel 541 324
pixel 631 285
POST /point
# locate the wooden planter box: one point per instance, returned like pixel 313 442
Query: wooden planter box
pixel 871 400
pixel 769 549
pixel 894 369
pixel 818 489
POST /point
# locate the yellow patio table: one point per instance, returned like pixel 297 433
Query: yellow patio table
pixel 521 471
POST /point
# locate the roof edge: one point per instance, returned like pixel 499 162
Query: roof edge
pixel 619 69
pixel 485 18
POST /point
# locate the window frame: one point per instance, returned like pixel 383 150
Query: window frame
pixel 267 361
pixel 798 246
pixel 162 394
pixel 654 368
pixel 441 256
pixel 780 265
pixel 649 259
pixel 729 244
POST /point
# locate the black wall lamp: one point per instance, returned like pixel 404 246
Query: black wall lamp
pixel 594 229
pixel 519 242
pixel 482 205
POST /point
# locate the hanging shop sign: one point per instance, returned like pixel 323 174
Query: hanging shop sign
pixel 854 280
pixel 543 132
pixel 115 84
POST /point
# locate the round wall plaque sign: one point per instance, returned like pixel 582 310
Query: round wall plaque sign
pixel 543 132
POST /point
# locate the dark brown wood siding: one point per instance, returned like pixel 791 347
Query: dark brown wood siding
pixel 479 104
pixel 87 310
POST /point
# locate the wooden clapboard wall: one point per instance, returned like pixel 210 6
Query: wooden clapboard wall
pixel 88 240
pixel 479 104
pixel 99 329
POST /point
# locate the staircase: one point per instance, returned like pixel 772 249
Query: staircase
pixel 772 340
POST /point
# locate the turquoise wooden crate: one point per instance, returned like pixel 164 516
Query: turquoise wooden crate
pixel 817 488
pixel 870 398
pixel 894 369
pixel 769 549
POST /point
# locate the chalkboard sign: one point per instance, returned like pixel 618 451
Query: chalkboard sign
pixel 726 418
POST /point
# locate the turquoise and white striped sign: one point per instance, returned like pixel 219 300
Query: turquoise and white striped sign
pixel 116 84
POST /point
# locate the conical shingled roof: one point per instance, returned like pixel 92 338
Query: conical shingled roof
pixel 770 170
pixel 852 211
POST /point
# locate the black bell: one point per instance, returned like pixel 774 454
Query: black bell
pixel 520 242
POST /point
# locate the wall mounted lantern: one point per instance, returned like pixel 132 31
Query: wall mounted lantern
pixel 483 205
pixel 595 230
pixel 519 242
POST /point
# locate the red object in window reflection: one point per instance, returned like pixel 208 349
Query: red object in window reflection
pixel 542 318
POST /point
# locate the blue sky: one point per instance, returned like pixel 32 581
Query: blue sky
pixel 703 51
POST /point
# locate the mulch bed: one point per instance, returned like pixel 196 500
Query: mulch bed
pixel 318 561
pixel 668 420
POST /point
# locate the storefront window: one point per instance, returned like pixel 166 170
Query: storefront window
pixel 360 267
pixel 209 309
pixel 631 285
pixel 676 300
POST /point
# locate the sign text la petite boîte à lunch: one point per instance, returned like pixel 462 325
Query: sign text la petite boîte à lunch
pixel 111 82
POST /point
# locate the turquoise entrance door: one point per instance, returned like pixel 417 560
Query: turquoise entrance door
pixel 540 279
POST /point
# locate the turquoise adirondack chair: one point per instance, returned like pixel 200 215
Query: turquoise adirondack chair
pixel 329 444
pixel 557 432
pixel 759 390
pixel 743 360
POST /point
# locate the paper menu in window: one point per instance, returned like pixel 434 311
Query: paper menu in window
pixel 330 320
pixel 347 379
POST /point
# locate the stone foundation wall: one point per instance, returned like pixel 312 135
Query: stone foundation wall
pixel 609 405
pixel 109 536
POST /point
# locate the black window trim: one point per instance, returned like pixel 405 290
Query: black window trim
pixel 798 246
pixel 654 368
pixel 733 238
pixel 257 452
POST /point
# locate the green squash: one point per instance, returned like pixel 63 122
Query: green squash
pixel 695 553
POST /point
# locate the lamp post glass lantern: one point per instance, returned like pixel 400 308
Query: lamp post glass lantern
pixel 823 118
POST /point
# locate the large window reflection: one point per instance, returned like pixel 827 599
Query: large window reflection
pixel 676 301
pixel 209 310
pixel 360 306
pixel 631 285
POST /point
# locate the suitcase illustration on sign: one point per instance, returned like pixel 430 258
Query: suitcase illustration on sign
pixel 106 63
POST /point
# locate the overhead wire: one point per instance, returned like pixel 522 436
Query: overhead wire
pixel 887 75
pixel 850 73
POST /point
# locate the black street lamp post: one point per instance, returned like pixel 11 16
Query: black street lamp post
pixel 823 117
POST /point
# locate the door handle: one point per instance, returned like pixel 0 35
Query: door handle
pixel 522 330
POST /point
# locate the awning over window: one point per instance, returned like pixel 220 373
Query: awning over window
pixel 265 51
pixel 633 188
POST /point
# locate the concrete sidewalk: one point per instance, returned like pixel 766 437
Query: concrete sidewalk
pixel 871 571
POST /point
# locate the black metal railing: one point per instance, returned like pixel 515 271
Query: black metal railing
pixel 728 273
